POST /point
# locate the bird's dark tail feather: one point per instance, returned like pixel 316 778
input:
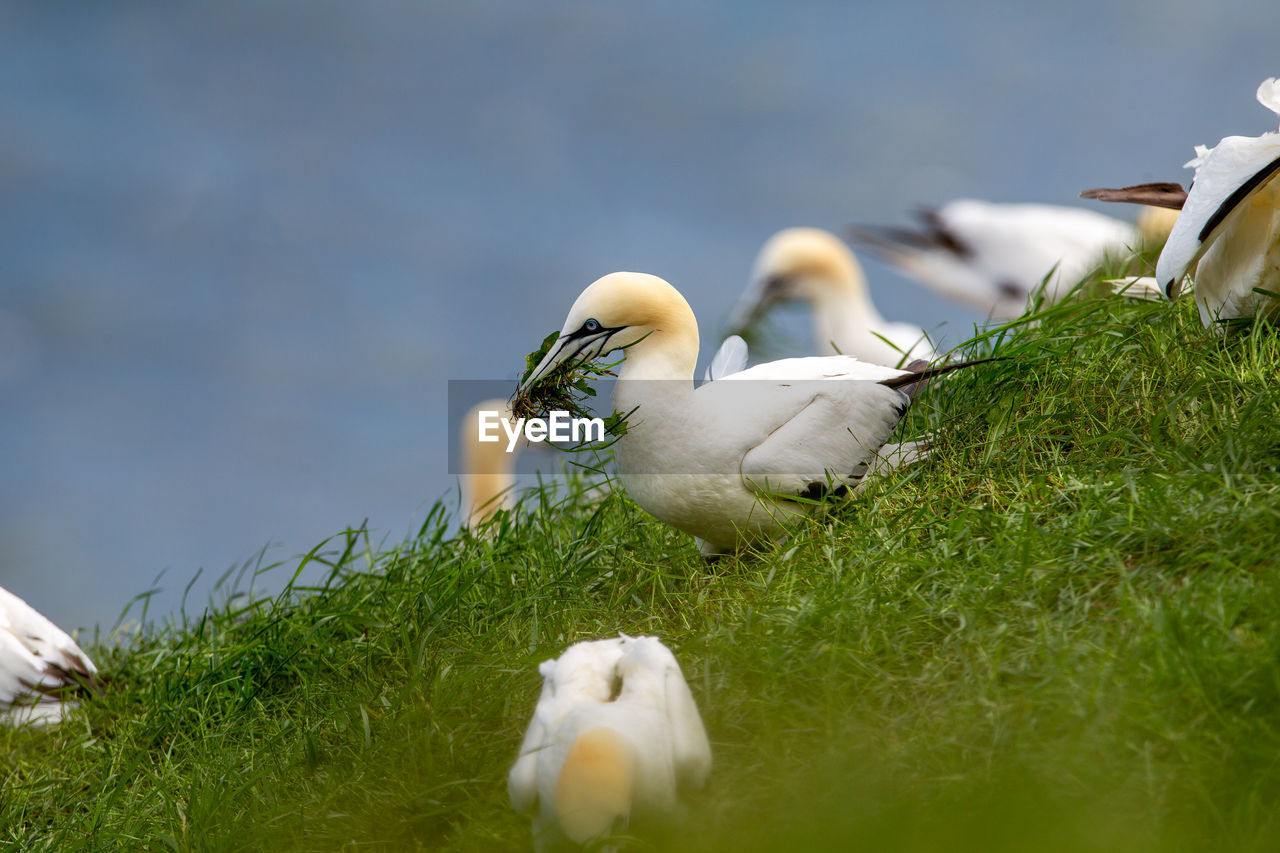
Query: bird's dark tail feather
pixel 913 383
pixel 1159 194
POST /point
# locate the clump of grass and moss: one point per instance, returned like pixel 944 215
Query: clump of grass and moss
pixel 1062 632
pixel 566 388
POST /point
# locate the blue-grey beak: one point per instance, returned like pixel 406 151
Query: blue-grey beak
pixel 759 297
pixel 575 346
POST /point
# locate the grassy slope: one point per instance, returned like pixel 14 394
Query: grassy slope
pixel 1060 633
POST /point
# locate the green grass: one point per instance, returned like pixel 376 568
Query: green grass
pixel 1060 633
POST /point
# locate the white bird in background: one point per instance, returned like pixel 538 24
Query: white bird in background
pixel 488 481
pixel 732 460
pixel 39 666
pixel 615 737
pixel 993 257
pixel 1229 227
pixel 817 267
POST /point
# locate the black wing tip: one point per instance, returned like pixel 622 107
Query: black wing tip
pixel 1241 192
pixel 74 676
pixel 896 239
pixel 889 238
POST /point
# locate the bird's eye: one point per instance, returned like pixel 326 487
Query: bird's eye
pixel 591 326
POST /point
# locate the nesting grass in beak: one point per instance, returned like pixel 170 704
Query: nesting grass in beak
pixel 565 388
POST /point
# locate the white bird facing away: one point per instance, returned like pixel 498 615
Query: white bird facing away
pixel 994 256
pixel 39 665
pixel 615 736
pixel 488 482
pixel 1229 227
pixel 732 460
pixel 817 267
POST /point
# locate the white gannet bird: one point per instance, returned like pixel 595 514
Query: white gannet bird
pixel 488 482
pixel 817 266
pixel 1229 227
pixel 732 460
pixel 993 256
pixel 39 666
pixel 615 737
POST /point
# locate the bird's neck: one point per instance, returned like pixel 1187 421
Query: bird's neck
pixel 656 380
pixel 842 310
pixel 666 353
pixel 487 483
pixel 485 494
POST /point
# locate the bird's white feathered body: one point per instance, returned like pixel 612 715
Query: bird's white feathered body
pixel 815 266
pixel 38 661
pixel 994 256
pixel 615 736
pixel 751 442
pixel 732 460
pixel 1230 225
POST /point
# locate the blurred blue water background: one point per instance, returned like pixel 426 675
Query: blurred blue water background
pixel 244 245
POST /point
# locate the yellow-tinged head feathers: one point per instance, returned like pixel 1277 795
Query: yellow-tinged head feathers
pixel 809 258
pixel 807 264
pixel 628 309
pixel 631 299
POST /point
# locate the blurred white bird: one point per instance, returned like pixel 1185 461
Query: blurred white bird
pixel 993 257
pixel 1229 227
pixel 488 482
pixel 817 267
pixel 39 666
pixel 732 460
pixel 616 737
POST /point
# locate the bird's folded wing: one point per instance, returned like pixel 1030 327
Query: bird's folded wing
pixel 937 266
pixel 793 372
pixel 41 637
pixel 830 440
pixel 20 670
pixel 1227 176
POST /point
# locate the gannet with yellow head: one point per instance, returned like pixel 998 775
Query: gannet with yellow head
pixel 816 266
pixel 615 737
pixel 40 666
pixel 732 460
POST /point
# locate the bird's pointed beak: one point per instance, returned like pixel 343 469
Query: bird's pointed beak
pixel 571 347
pixel 760 294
